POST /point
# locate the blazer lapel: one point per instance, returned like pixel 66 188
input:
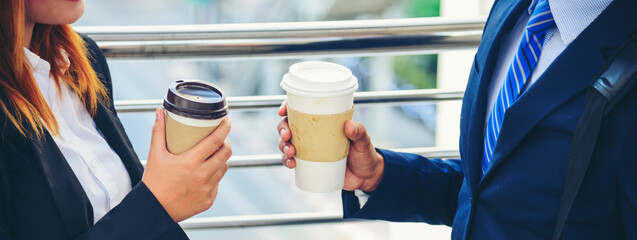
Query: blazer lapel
pixel 502 18
pixel 570 74
pixel 73 205
pixel 113 131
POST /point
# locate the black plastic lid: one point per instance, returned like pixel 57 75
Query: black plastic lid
pixel 196 99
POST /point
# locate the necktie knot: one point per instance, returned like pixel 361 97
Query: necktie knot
pixel 541 19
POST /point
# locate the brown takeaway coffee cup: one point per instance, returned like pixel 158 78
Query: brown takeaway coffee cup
pixel 194 109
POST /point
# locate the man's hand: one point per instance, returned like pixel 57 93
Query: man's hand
pixel 365 166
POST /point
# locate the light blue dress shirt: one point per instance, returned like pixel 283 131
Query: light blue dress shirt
pixel 571 18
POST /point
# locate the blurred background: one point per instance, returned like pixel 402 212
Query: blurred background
pixel 271 190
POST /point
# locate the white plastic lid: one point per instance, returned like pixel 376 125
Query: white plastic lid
pixel 319 79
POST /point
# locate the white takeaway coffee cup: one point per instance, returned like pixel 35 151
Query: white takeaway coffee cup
pixel 320 99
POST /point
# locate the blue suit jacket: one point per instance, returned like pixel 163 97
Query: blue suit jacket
pixel 519 196
pixel 40 197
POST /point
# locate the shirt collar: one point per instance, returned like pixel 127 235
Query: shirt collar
pixel 37 62
pixel 573 16
pixel 33 59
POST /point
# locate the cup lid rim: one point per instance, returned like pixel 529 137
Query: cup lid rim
pixel 177 103
pixel 290 88
pixel 296 83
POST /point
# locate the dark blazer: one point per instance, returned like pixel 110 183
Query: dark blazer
pixel 40 197
pixel 519 196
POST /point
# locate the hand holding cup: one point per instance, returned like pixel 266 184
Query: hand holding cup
pixel 365 166
pixel 189 148
pixel 186 184
pixel 318 112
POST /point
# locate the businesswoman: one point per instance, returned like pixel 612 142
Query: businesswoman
pixel 67 168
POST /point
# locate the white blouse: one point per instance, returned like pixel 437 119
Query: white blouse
pixel 98 168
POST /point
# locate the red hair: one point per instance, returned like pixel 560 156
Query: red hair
pixel 22 103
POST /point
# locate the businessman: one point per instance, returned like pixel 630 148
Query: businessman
pixel 525 95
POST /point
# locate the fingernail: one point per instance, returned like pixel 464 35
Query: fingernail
pixel 285 151
pixel 282 132
pixel 356 129
pixel 287 163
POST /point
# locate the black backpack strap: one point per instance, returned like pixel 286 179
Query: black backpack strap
pixel 612 84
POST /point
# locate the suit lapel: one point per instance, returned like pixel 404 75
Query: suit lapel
pixel 73 205
pixel 113 131
pixel 570 74
pixel 107 121
pixel 502 18
pixel 69 196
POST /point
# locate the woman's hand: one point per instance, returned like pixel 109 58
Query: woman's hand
pixel 365 166
pixel 186 184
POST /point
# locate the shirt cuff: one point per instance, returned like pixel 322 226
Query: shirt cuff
pixel 362 197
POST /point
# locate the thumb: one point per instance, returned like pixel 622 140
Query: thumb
pixel 158 139
pixel 356 132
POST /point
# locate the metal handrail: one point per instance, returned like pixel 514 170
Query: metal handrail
pixel 280 29
pixel 289 40
pixel 288 218
pixel 275 159
pixel 256 102
pixel 264 220
pixel 270 160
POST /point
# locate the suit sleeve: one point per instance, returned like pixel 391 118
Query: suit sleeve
pixel 627 180
pixel 138 216
pixel 413 189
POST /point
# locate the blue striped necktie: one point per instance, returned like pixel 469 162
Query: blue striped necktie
pixel 525 60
